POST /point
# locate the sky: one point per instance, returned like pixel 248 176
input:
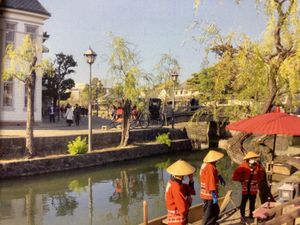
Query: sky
pixel 155 27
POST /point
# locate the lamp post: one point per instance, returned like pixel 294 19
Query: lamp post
pixel 97 95
pixel 174 76
pixel 90 57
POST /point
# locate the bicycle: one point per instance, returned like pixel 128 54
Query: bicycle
pixel 142 119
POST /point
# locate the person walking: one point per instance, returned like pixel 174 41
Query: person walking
pixel 51 112
pixel 77 112
pixel 69 115
pixel 176 195
pixel 249 173
pixel 209 180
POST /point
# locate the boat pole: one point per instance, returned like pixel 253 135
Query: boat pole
pixel 145 207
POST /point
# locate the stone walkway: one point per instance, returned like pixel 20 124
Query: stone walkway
pixel 59 128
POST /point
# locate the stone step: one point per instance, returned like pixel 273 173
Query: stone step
pixel 293 150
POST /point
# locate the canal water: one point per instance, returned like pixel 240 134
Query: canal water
pixel 106 195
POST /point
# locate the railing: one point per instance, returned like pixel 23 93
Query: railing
pixel 282 217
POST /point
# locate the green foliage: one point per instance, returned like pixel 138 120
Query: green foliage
pixel 164 139
pixel 97 92
pixel 124 65
pixel 163 165
pixel 20 62
pixel 249 76
pixel 162 80
pixel 54 78
pixel 76 186
pixel 164 68
pixel 78 146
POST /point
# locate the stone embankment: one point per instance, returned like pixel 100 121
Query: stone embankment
pixel 14 148
pixel 53 157
pixel 26 167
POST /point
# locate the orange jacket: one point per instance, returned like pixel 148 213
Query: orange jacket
pixel 176 203
pixel 208 180
pixel 249 177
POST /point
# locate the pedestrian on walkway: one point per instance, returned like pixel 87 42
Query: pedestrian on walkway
pixel 209 180
pixel 77 112
pixel 249 173
pixel 69 115
pixel 177 193
pixel 51 112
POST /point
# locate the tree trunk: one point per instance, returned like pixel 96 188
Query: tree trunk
pixel 126 123
pixel 236 149
pixel 30 85
pixel 29 205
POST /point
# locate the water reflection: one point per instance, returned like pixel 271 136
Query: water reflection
pixel 101 195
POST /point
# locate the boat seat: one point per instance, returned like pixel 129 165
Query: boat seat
pixel 165 221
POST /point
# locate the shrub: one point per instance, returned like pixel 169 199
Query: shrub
pixel 78 146
pixel 164 139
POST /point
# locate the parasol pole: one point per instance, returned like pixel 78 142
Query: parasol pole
pixel 272 161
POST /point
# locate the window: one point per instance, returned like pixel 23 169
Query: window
pixel 7 93
pixel 32 30
pixel 10 32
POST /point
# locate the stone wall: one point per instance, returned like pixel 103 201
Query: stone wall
pixel 14 148
pixel 67 162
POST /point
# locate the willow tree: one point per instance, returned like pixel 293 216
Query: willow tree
pixel 124 66
pixel 259 73
pixel 21 63
pixel 167 65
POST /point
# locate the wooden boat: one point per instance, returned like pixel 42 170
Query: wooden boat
pixel 195 212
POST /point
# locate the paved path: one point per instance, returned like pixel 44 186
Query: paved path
pixel 59 128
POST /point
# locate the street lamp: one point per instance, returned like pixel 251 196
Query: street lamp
pixel 174 76
pixel 90 57
pixel 98 85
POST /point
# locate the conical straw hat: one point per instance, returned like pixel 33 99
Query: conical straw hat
pixel 213 156
pixel 180 168
pixel 251 155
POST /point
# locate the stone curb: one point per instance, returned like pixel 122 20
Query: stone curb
pixel 51 164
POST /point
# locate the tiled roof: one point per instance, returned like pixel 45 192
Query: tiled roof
pixel 27 5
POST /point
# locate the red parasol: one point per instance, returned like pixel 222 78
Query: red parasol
pixel 269 123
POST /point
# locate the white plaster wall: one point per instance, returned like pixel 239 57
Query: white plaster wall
pixel 18 112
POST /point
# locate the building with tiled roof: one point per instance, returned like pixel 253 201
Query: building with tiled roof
pixel 17 19
pixel 33 6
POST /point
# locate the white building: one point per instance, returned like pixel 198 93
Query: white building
pixel 185 91
pixel 18 18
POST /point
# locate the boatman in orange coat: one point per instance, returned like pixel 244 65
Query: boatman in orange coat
pixel 249 173
pixel 209 180
pixel 178 194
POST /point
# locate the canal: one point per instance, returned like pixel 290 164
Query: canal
pixel 106 195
